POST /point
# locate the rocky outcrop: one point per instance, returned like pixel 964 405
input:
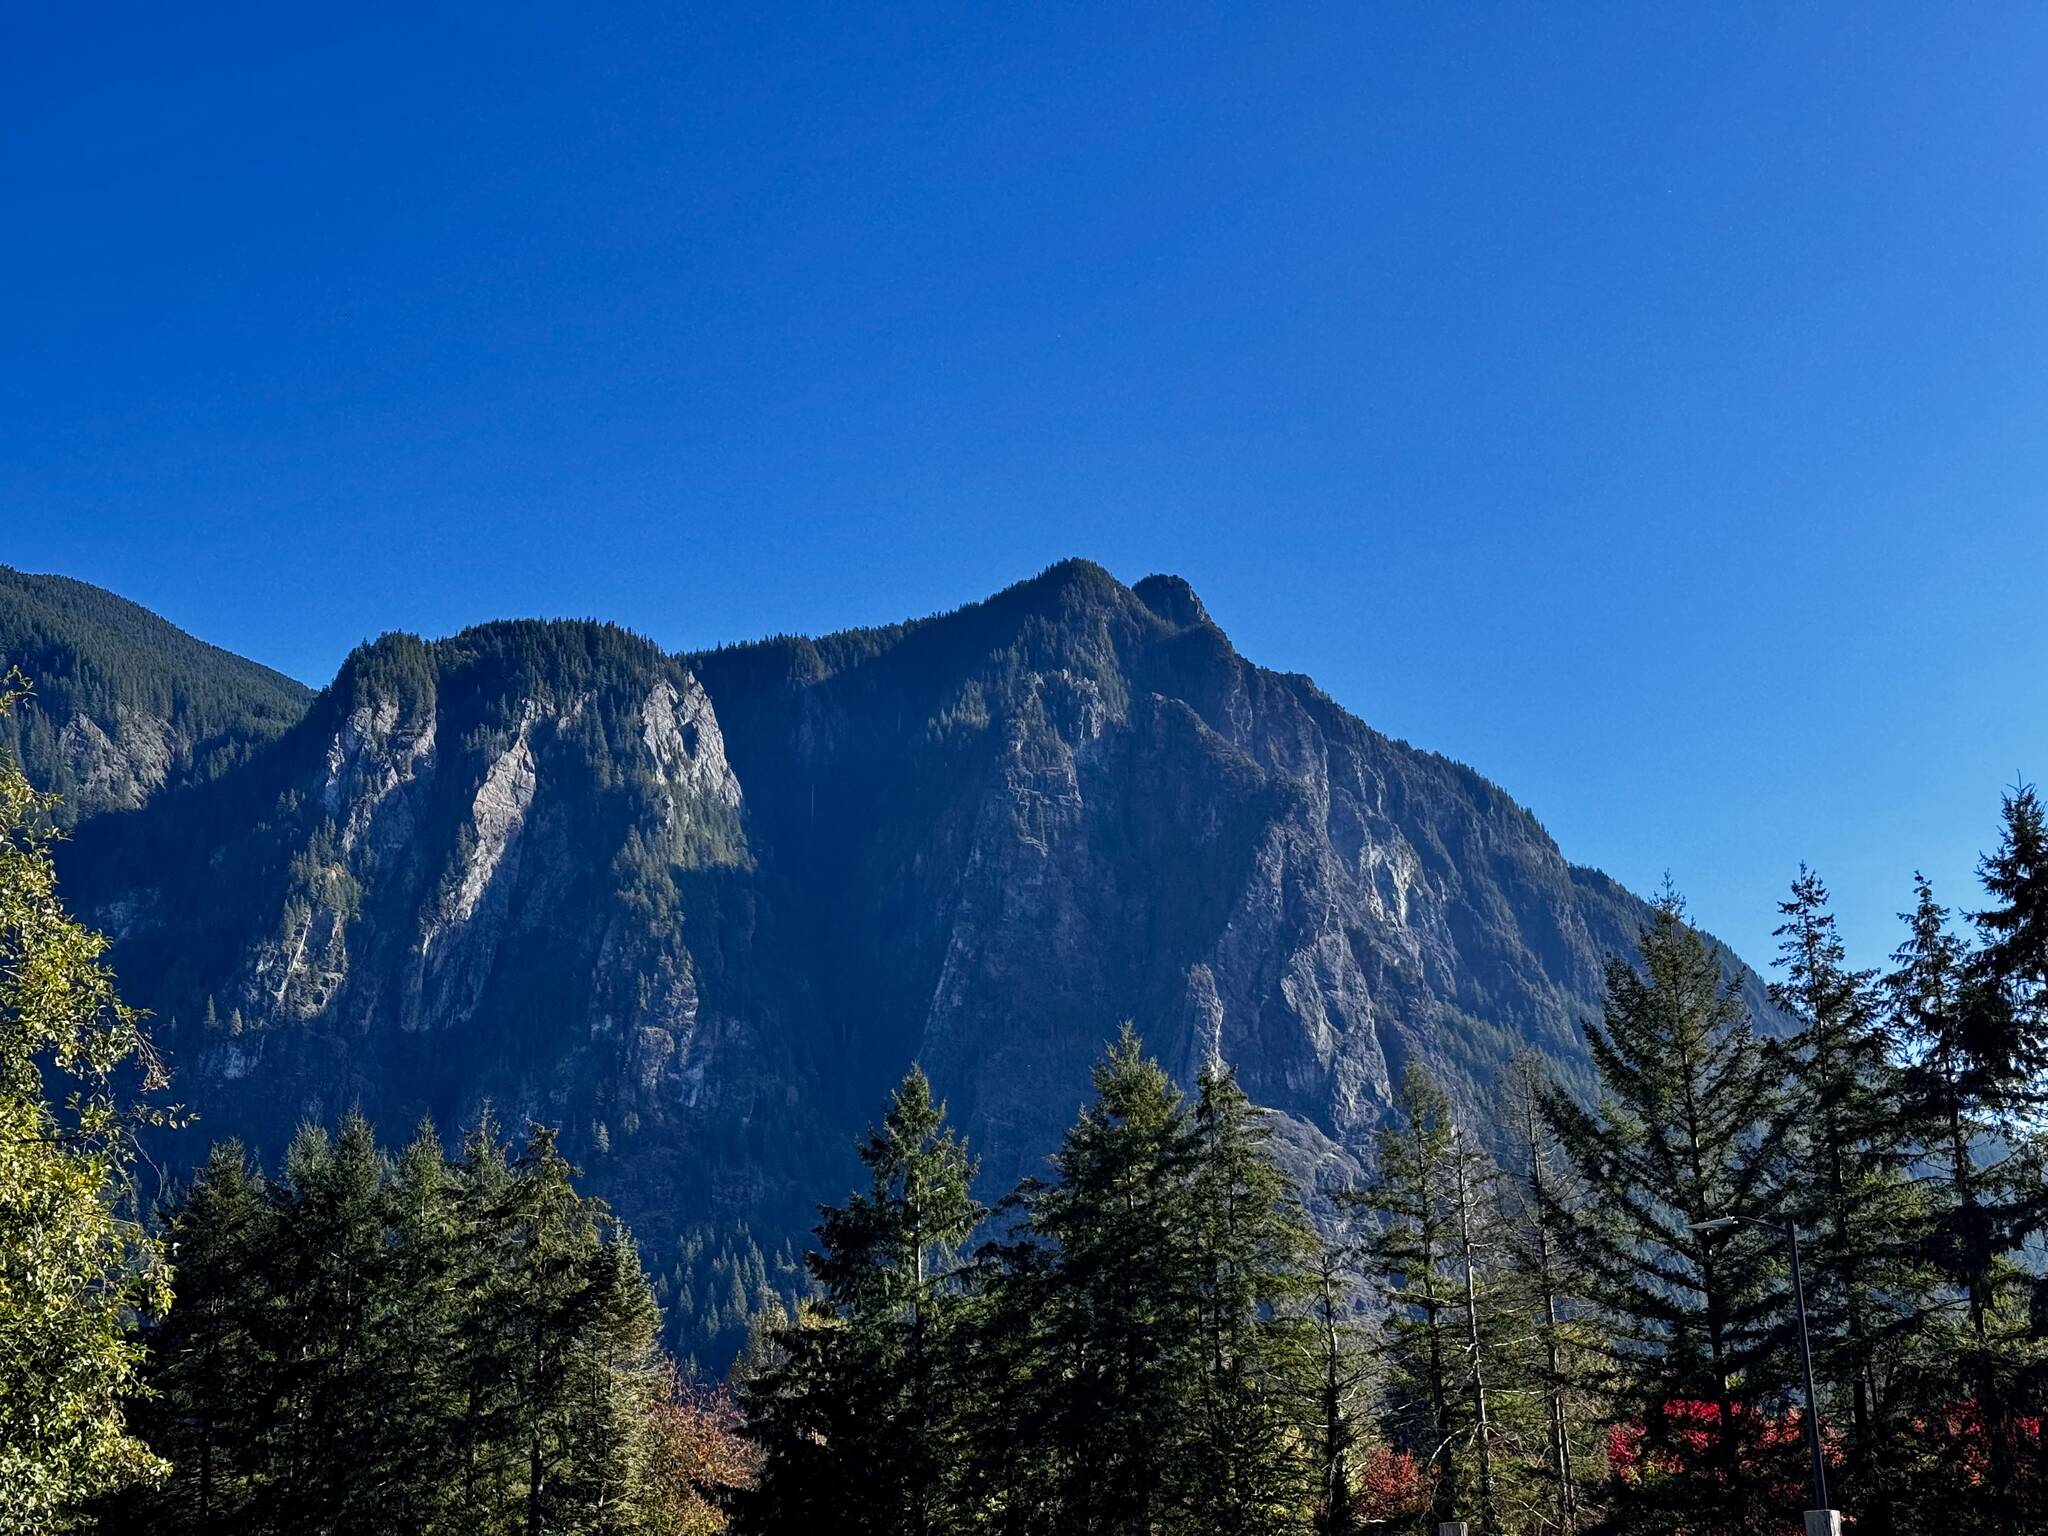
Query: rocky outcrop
pixel 119 765
pixel 122 703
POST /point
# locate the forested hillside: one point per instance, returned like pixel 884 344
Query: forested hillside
pixel 125 703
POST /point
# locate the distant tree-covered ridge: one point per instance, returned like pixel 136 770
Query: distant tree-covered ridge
pixel 124 702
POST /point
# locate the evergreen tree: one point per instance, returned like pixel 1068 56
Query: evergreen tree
pixel 859 1427
pixel 74 1263
pixel 1245 1470
pixel 329 1263
pixel 1410 1254
pixel 2013 959
pixel 211 1413
pixel 1099 1299
pixel 1687 1128
pixel 1963 1084
pixel 1855 1205
pixel 1335 1377
pixel 1452 1328
pixel 411 1451
pixel 1563 1347
pixel 417 1346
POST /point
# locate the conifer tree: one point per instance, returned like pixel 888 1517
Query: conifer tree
pixel 370 1346
pixel 329 1260
pixel 1453 1329
pixel 1335 1373
pixel 1244 1469
pixel 859 1426
pixel 1854 1203
pixel 210 1414
pixel 1551 1285
pixel 2013 957
pixel 1963 1083
pixel 412 1448
pixel 1103 1290
pixel 1409 1253
pixel 1687 1128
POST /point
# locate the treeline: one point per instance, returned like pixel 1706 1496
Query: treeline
pixel 419 1343
pixel 1548 1315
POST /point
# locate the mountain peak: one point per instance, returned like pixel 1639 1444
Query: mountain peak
pixel 1173 600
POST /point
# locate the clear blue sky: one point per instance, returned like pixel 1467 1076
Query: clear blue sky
pixel 1646 404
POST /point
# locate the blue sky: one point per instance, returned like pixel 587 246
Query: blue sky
pixel 1648 405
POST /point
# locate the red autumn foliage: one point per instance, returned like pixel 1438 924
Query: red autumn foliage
pixel 1685 1443
pixel 1393 1485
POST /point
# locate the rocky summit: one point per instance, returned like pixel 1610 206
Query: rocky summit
pixel 702 911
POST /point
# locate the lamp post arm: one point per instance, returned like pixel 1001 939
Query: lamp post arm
pixel 1820 1469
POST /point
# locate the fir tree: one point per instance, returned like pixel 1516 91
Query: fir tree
pixel 2013 958
pixel 1687 1128
pixel 1854 1203
pixel 1961 1086
pixel 859 1426
pixel 1551 1285
pixel 1244 1470
pixel 1410 1255
pixel 1452 1328
pixel 413 1346
pixel 210 1414
pixel 1102 1293
pixel 1335 1374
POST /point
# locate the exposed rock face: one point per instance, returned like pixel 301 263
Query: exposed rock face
pixel 124 703
pixel 702 912
pixel 118 765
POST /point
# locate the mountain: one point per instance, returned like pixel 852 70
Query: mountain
pixel 701 911
pixel 124 702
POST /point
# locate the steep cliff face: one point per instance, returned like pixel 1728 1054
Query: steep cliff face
pixel 458 879
pixel 703 911
pixel 1005 829
pixel 123 702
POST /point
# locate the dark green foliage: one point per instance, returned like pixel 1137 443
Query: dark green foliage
pixel 1409 1252
pixel 1256 1282
pixel 1145 1357
pixel 1562 1361
pixel 860 1424
pixel 1112 1302
pixel 1139 1355
pixel 1457 1329
pixel 93 656
pixel 423 1345
pixel 1333 1372
pixel 1966 1084
pixel 720 1284
pixel 1867 1286
pixel 1688 1127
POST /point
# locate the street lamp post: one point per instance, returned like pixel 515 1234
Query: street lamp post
pixel 1820 1520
